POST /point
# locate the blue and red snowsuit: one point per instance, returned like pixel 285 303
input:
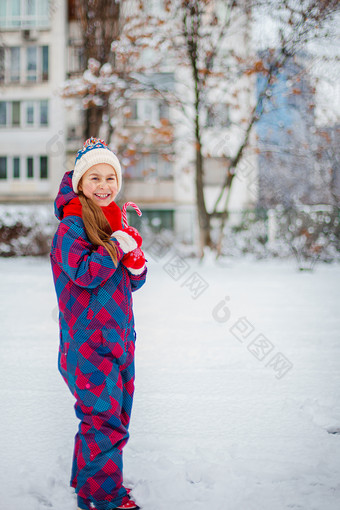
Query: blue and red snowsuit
pixel 96 354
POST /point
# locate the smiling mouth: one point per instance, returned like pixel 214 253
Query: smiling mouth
pixel 102 196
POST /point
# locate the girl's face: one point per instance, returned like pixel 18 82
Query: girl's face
pixel 99 183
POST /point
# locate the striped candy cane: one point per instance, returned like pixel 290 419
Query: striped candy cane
pixel 136 208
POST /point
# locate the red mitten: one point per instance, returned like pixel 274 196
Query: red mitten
pixel 133 232
pixel 134 261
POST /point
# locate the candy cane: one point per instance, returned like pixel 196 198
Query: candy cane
pixel 136 208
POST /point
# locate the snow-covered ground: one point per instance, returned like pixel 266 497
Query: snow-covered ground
pixel 236 399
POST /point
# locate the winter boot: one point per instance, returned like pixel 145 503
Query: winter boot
pixel 130 505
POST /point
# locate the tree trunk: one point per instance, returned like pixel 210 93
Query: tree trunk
pixel 203 215
pixel 93 121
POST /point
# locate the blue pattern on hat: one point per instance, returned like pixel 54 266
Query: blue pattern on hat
pixel 90 144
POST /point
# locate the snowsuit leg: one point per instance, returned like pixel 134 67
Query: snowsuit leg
pixel 103 385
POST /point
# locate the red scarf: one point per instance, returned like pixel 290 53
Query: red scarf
pixel 112 213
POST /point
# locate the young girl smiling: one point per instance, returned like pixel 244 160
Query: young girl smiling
pixel 97 264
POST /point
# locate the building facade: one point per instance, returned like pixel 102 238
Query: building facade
pixel 40 47
pixel 298 160
pixel 32 66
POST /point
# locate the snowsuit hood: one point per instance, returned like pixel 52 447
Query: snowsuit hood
pixel 67 203
pixel 64 196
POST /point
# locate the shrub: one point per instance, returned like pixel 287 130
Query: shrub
pixel 26 229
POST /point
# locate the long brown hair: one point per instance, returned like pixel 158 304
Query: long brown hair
pixel 97 227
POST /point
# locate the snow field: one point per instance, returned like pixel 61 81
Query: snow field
pixel 212 425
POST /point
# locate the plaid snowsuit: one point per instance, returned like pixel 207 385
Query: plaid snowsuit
pixel 96 354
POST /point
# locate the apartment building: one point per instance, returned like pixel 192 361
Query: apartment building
pixel 299 159
pixel 32 66
pixel 41 46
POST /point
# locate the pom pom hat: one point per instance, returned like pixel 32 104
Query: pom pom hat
pixel 93 152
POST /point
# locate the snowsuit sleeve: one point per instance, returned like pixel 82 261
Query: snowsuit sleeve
pixel 76 257
pixel 137 281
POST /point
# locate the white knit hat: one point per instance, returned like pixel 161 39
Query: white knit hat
pixel 93 152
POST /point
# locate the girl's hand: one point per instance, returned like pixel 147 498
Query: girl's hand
pixel 134 261
pixel 126 242
pixel 133 232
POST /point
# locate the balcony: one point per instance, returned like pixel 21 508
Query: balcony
pixel 23 15
pixel 156 192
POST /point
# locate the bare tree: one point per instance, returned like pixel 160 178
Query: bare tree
pixel 199 37
pixel 298 23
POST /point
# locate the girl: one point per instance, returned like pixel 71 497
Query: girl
pixel 96 265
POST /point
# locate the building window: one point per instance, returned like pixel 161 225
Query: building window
pixel 3 167
pixel 15 113
pixel 151 165
pixel 32 65
pixel 3 113
pixel 25 64
pixel 76 61
pixel 30 173
pixel 2 65
pixel 35 113
pixel 31 6
pixel 133 110
pixel 24 14
pixel 10 13
pixel 14 76
pixel 43 121
pixel 36 168
pixel 148 110
pixel 30 113
pixel 16 168
pixel 36 64
pixel 43 167
pixel 159 219
pixel 163 109
pixel 44 73
pixel 9 113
